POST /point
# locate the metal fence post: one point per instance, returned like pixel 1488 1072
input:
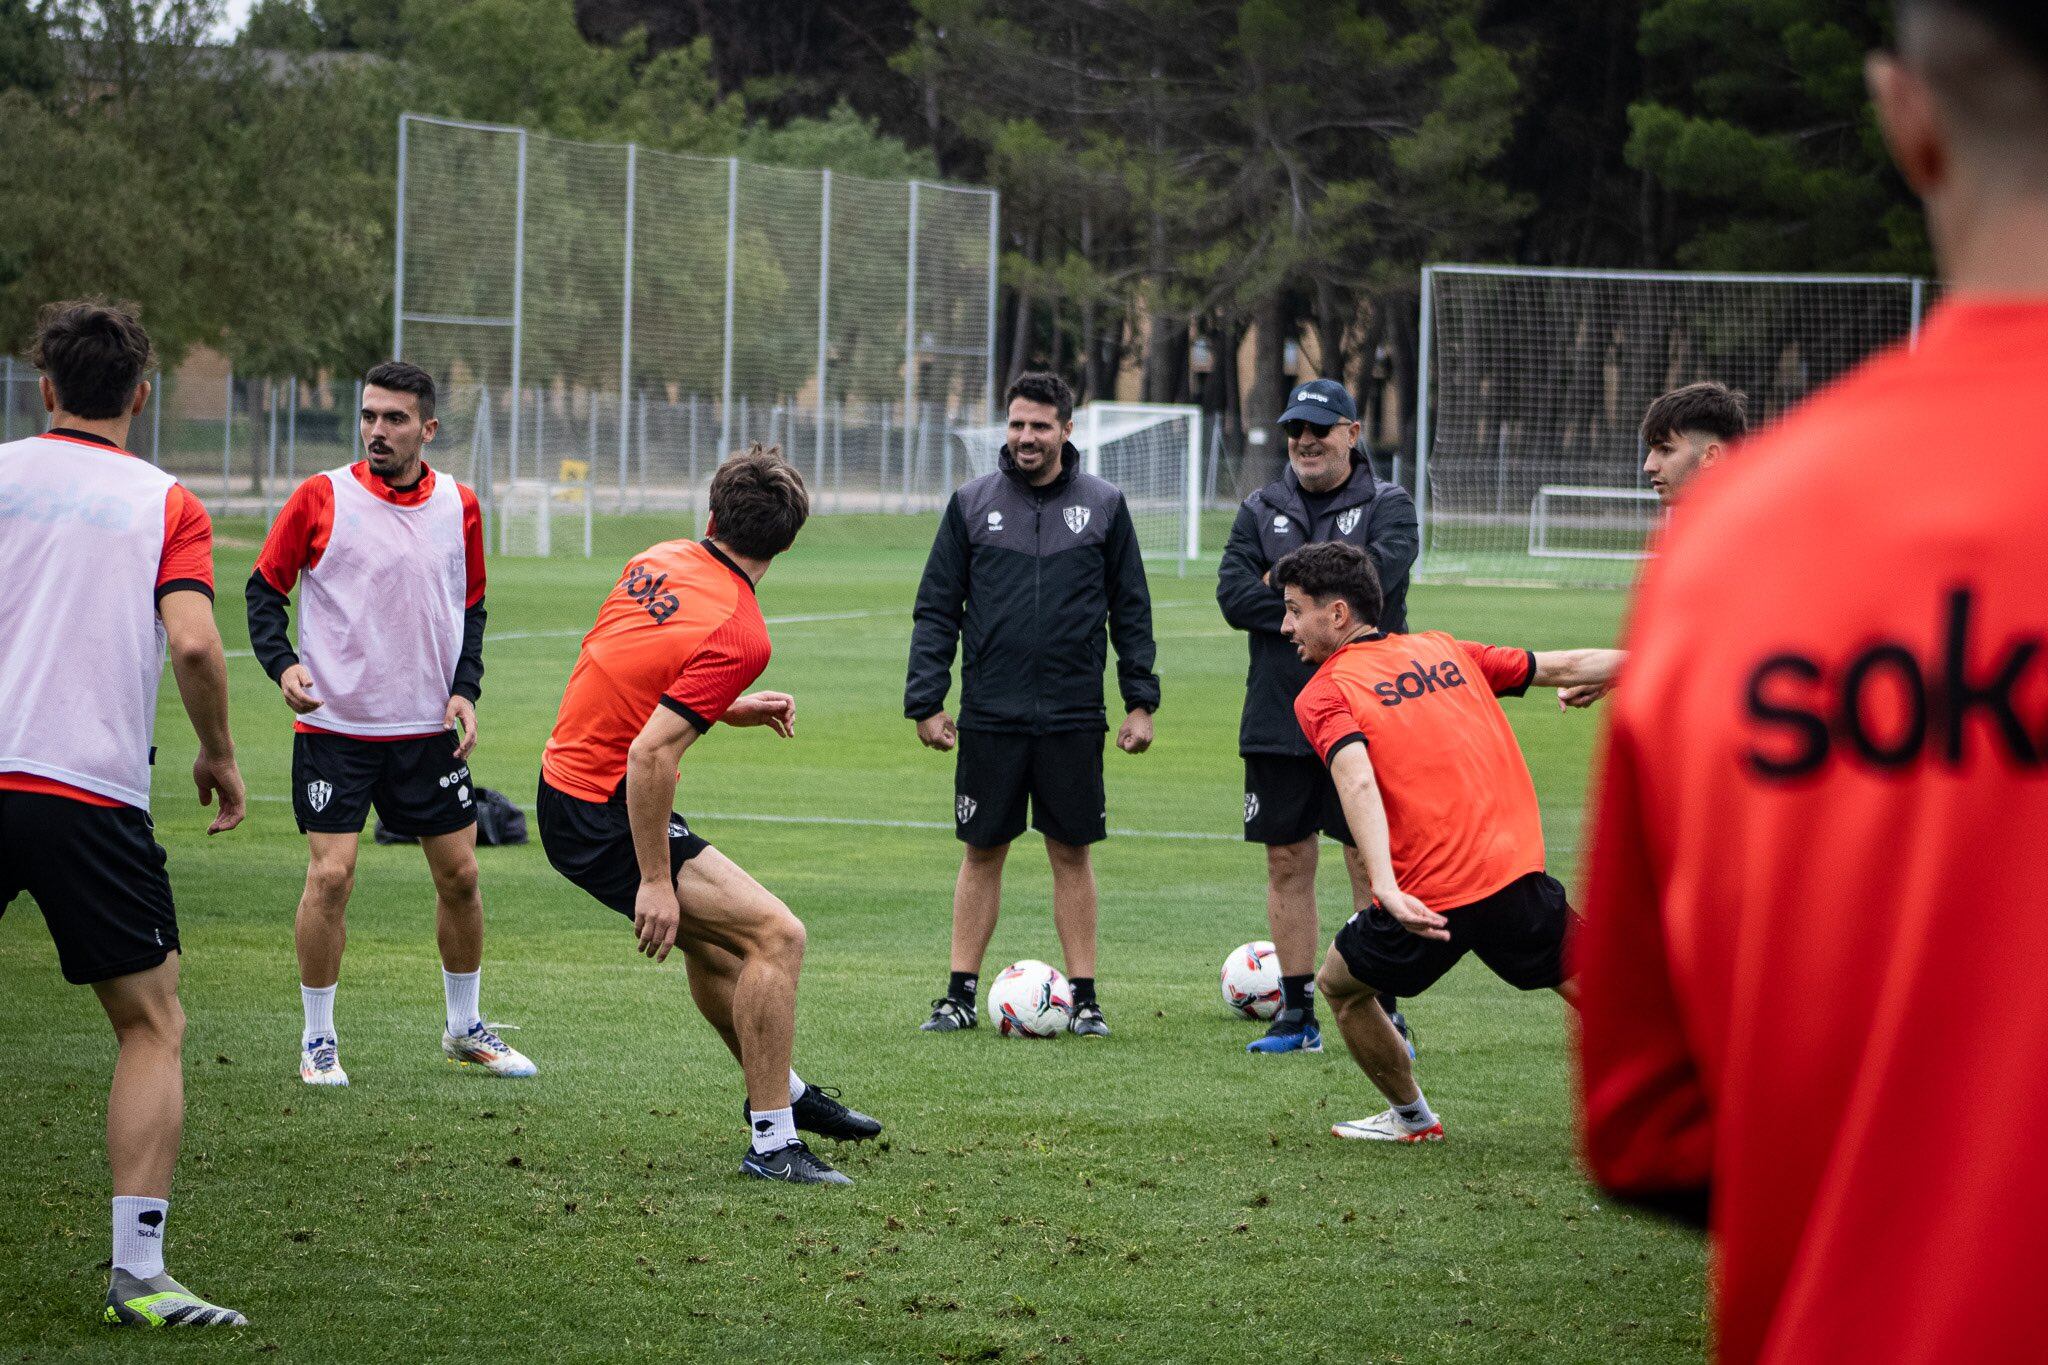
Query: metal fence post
pixel 291 436
pixel 910 347
pixel 1913 335
pixel 518 320
pixel 695 528
pixel 156 421
pixel 626 326
pixel 270 461
pixel 995 204
pixel 824 299
pixel 227 436
pixel 7 393
pixel 398 271
pixel 732 232
pixel 1424 336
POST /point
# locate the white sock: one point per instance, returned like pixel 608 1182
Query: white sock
pixel 319 1003
pixel 796 1087
pixel 460 990
pixel 774 1129
pixel 1416 1115
pixel 139 1235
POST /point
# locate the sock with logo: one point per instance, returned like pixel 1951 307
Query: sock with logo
pixel 1084 990
pixel 459 990
pixel 1299 993
pixel 319 1003
pixel 1417 1115
pixel 961 986
pixel 796 1087
pixel 774 1129
pixel 139 1235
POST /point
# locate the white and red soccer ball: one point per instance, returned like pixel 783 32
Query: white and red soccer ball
pixel 1030 999
pixel 1251 980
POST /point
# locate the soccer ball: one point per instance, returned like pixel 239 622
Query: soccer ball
pixel 1251 980
pixel 1030 999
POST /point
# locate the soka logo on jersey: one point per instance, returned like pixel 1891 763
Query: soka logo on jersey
pixel 1348 522
pixel 1418 681
pixel 964 808
pixel 1077 519
pixel 318 794
pixel 649 590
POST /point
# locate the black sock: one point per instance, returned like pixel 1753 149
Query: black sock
pixel 962 985
pixel 1084 990
pixel 1298 993
pixel 1388 1002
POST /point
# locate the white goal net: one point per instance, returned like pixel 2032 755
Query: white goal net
pixel 1152 451
pixel 1533 384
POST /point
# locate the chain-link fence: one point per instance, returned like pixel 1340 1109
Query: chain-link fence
pixel 609 321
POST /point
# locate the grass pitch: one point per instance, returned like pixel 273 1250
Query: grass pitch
pixel 1161 1196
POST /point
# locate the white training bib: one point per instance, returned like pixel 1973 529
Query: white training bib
pixel 380 616
pixel 81 646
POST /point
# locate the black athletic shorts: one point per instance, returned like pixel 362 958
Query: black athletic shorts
pixel 591 843
pixel 1288 799
pixel 98 875
pixel 1060 773
pixel 419 786
pixel 1519 931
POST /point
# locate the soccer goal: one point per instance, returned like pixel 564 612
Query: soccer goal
pixel 1152 451
pixel 1532 385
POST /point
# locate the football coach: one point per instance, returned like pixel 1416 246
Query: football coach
pixel 1028 564
pixel 1327 492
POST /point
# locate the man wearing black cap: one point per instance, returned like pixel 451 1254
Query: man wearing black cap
pixel 1327 492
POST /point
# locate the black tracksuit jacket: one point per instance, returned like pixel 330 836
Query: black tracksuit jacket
pixel 1024 579
pixel 1376 516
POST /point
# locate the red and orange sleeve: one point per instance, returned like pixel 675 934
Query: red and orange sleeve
pixel 299 535
pixel 187 559
pixel 723 666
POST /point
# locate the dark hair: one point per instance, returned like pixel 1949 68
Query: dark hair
pixel 758 502
pixel 1330 568
pixel 1040 387
pixel 94 352
pixel 402 377
pixel 2024 22
pixel 1710 407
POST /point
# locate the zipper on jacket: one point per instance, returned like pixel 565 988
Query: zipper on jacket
pixel 1038 612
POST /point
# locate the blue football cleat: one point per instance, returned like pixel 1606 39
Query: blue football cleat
pixel 1289 1035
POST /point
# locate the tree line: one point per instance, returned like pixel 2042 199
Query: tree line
pixel 1178 176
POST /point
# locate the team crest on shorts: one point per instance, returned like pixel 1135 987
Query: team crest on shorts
pixel 318 794
pixel 1077 519
pixel 1251 807
pixel 964 808
pixel 1348 523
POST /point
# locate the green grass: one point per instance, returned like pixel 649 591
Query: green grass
pixel 1158 1197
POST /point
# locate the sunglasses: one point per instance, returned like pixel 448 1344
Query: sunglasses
pixel 1317 429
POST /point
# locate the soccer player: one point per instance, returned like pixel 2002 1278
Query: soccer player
pixel 1441 807
pixel 1327 492
pixel 675 644
pixel 384 684
pixel 1811 824
pixel 108 559
pixel 1028 563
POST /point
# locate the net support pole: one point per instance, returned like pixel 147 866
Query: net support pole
pixel 398 245
pixel 1919 300
pixel 995 204
pixel 8 392
pixel 227 434
pixel 1192 547
pixel 824 313
pixel 291 437
pixel 1425 334
pixel 518 324
pixel 156 421
pixel 625 333
pixel 732 237
pixel 910 348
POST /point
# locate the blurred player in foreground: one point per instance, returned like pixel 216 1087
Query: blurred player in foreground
pixel 675 644
pixel 383 686
pixel 1817 817
pixel 108 559
pixel 1441 807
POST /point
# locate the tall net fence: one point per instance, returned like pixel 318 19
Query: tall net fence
pixel 1534 384
pixel 609 321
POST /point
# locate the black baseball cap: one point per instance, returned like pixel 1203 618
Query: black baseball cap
pixel 1322 401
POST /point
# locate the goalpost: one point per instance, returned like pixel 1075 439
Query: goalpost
pixel 1532 383
pixel 1152 451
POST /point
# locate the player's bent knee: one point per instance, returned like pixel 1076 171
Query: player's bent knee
pixel 1291 862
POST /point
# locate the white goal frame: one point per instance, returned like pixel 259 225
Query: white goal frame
pixel 1539 520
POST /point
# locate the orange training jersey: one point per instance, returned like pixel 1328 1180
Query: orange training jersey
pixel 1816 924
pixel 1461 810
pixel 681 630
